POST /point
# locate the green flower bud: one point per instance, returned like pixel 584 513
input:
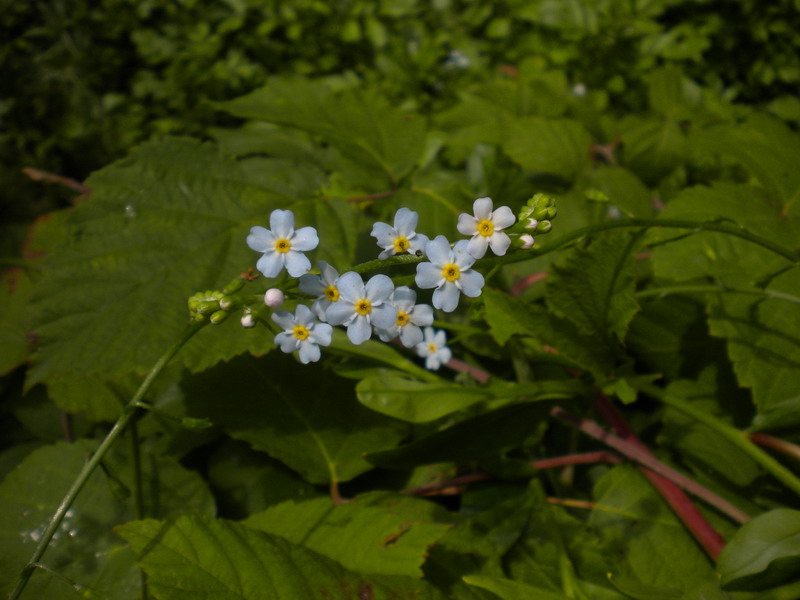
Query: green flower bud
pixel 544 226
pixel 219 316
pixel 229 302
pixel 233 287
pixel 525 241
pixel 542 206
pixel 524 213
pixel 595 195
pixel 206 307
pixel 195 423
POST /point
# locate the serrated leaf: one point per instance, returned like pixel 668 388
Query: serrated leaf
pixel 300 414
pixel 360 123
pixel 764 553
pixel 594 288
pixel 231 561
pixel 558 147
pixel 374 533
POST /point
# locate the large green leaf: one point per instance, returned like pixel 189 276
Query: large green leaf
pixel 302 415
pixel 653 148
pixel 506 589
pixel 229 561
pixel 594 288
pixel 764 553
pixel 374 533
pixel 359 122
pixel 169 220
pixel 84 548
pixel 15 292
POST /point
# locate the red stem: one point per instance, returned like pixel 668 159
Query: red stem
pixel 477 374
pixel 684 508
pixel 777 444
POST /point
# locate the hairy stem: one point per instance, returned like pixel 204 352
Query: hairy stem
pixel 129 412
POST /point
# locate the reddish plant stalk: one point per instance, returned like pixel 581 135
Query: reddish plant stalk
pixel 708 537
pixel 777 444
pixel 477 374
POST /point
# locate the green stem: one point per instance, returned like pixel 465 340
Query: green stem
pixel 738 438
pixel 718 289
pixel 138 488
pixel 129 412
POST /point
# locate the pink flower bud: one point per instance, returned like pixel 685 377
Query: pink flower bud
pixel 274 298
pixel 532 224
pixel 527 241
pixel 248 321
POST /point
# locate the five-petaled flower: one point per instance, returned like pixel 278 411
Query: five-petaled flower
pixel 361 306
pixel 486 228
pixel 303 332
pixel 450 272
pixel 400 238
pixel 323 286
pixel 282 245
pixel 410 317
pixel 433 349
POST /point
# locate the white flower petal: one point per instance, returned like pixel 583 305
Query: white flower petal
pixel 282 223
pixel 270 264
pixel 379 288
pixel 417 243
pixel 384 234
pixel 304 316
pixel 467 224
pixel 446 297
pixel 445 354
pixel 503 217
pixel 305 239
pixel 286 341
pixel 387 335
pixel 463 258
pixel 260 239
pixel 482 208
pixel 321 334
pixel 403 298
pixel 311 284
pixel 339 313
pixel 438 251
pixel 359 330
pixel 327 273
pixel 297 263
pixel 350 286
pixel 309 352
pixel 284 318
pixel 410 335
pixel 383 316
pixel 432 362
pixel 477 246
pixel 405 221
pixel 471 283
pixel 499 242
pixel 422 315
pixel 319 306
pixel 440 338
pixel 428 276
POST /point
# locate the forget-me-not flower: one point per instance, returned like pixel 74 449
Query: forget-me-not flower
pixel 282 245
pixel 361 306
pixel 433 349
pixel 486 228
pixel 303 332
pixel 410 317
pixel 400 238
pixel 450 272
pixel 323 286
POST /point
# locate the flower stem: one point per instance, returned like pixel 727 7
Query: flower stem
pixel 716 289
pixel 738 438
pixel 128 413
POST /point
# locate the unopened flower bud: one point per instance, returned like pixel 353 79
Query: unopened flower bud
pixel 526 241
pixel 218 317
pixel 274 298
pixel 249 320
pixel 233 287
pixel 227 302
pixel 544 226
pixel 531 224
pixel 542 207
pixel 524 213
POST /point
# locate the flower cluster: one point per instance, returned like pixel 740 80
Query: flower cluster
pixel 377 306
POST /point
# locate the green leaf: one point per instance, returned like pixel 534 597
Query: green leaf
pixel 507 316
pixel 300 414
pixel 374 533
pixel 594 288
pixel 558 147
pixel 653 148
pixel 507 589
pixel 416 401
pixel 764 553
pixel 360 123
pixel 624 190
pixel 165 222
pixel 228 560
pixel 16 289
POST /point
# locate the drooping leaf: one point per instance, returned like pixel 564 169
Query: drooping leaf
pixel 232 561
pixel 300 414
pixel 594 288
pixel 764 553
pixel 374 533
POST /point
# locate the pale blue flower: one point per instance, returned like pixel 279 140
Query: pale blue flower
pixel 450 272
pixel 400 238
pixel 303 332
pixel 486 228
pixel 410 317
pixel 282 245
pixel 433 349
pixel 323 286
pixel 361 306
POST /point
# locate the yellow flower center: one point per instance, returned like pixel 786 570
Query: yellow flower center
pixel 402 318
pixel 451 272
pixel 401 244
pixel 363 306
pixel 282 245
pixel 432 348
pixel 331 293
pixel 300 332
pixel 485 227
